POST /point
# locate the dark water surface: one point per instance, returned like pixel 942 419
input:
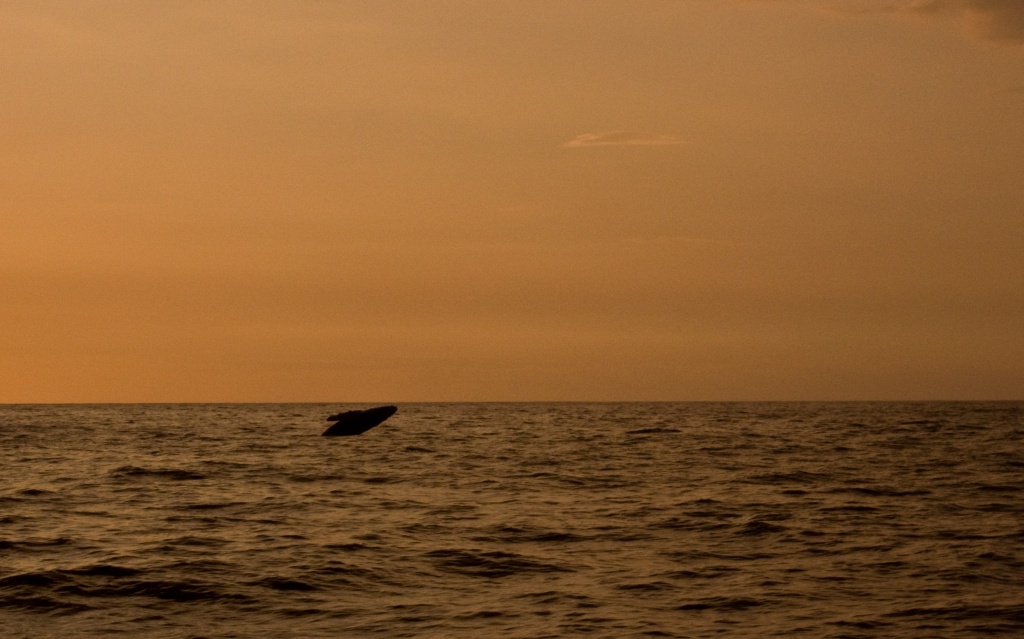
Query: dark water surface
pixel 514 520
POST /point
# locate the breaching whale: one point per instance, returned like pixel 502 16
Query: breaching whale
pixel 357 422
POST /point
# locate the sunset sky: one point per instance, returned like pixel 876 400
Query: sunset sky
pixel 426 200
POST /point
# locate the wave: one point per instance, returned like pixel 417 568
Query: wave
pixel 48 590
pixel 506 534
pixel 491 564
pixel 175 474
pixel 722 604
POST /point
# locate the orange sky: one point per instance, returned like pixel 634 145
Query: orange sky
pixel 419 200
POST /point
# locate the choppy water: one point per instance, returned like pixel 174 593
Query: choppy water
pixel 514 520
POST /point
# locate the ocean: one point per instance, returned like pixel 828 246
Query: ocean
pixel 839 520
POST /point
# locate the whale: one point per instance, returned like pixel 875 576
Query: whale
pixel 357 422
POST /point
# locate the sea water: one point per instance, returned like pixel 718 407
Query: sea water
pixel 513 520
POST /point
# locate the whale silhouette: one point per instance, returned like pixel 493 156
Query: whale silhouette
pixel 357 422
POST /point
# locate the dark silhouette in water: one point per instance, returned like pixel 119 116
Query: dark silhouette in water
pixel 357 422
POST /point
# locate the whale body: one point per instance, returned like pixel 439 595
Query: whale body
pixel 357 422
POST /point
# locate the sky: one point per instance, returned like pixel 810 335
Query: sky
pixel 511 200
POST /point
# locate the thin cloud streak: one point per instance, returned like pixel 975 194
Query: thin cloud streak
pixel 999 20
pixel 994 19
pixel 622 138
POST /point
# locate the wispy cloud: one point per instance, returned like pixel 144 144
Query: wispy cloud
pixel 1000 20
pixel 862 7
pixel 994 19
pixel 622 138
